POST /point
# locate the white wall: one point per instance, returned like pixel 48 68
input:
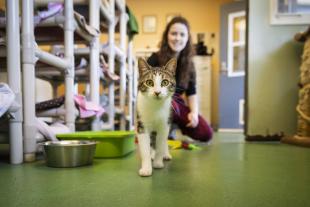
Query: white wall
pixel 273 71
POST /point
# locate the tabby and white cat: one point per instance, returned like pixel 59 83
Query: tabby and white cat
pixel 156 87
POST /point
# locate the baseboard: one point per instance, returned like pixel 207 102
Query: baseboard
pixel 267 138
pixel 231 130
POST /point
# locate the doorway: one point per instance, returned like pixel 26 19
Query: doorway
pixel 232 63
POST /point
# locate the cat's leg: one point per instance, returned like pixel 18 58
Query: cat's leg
pixel 172 134
pixel 152 153
pixel 161 147
pixel 167 155
pixel 145 154
pixel 153 144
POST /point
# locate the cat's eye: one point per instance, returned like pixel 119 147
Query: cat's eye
pixel 149 83
pixel 164 83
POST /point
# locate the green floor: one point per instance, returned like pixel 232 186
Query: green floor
pixel 226 173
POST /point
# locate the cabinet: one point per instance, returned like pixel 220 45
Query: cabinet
pixel 203 71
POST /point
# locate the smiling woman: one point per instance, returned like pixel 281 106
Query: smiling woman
pixel 177 37
pixel 176 43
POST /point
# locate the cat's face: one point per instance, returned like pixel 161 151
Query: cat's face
pixel 157 82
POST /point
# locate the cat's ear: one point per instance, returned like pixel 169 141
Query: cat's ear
pixel 171 65
pixel 142 65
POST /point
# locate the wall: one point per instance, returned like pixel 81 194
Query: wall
pixel 203 15
pixel 273 69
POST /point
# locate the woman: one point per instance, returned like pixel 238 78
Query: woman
pixel 176 42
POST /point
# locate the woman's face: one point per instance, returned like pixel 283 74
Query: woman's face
pixel 177 37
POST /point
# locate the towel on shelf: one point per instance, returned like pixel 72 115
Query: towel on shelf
pixel 2 41
pixel 81 63
pixel 50 104
pixel 88 108
pixel 7 97
pixel 50 131
pixel 132 25
pixel 83 24
pixel 105 69
pixel 53 8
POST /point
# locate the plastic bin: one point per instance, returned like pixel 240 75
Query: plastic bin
pixel 109 143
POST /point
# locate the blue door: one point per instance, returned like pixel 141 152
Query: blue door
pixel 232 59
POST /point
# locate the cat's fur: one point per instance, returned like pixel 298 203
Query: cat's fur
pixel 155 90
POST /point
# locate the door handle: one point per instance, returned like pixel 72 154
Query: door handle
pixel 223 68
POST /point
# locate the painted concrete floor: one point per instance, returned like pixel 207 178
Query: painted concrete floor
pixel 227 173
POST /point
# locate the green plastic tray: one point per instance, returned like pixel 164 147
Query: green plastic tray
pixel 110 143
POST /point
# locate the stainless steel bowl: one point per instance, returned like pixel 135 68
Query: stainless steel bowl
pixel 69 153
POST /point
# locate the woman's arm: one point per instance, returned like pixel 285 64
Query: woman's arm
pixel 192 101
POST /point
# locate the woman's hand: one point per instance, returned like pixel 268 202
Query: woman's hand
pixel 193 114
pixel 193 120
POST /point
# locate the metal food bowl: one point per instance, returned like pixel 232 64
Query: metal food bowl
pixel 69 153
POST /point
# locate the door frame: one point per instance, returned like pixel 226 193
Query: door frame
pixel 243 5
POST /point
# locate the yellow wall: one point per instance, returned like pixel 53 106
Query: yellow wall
pixel 203 15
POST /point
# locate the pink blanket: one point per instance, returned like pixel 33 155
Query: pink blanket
pixel 87 108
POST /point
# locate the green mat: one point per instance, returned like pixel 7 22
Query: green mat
pixel 109 143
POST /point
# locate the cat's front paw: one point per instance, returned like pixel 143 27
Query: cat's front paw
pixel 158 164
pixel 146 171
pixel 167 157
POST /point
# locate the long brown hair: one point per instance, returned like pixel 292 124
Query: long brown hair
pixel 186 68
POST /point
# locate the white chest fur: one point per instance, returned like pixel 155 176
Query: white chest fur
pixel 154 113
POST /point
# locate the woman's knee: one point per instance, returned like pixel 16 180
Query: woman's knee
pixel 204 133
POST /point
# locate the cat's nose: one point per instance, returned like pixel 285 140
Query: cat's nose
pixel 156 93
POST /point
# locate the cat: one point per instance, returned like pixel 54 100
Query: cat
pixel 156 86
